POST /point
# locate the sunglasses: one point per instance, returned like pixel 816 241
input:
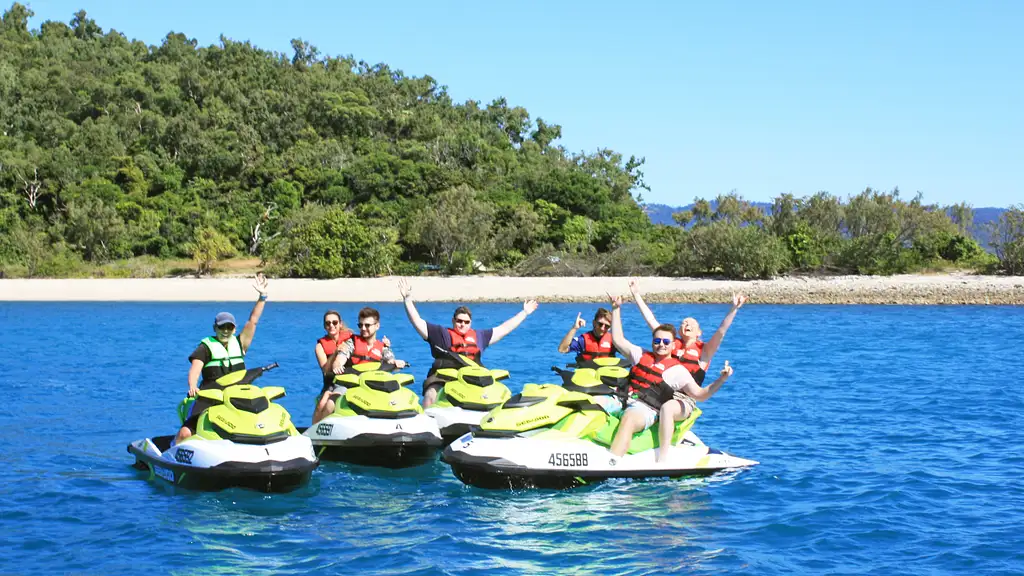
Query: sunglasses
pixel 665 341
pixel 461 321
pixel 370 325
pixel 604 325
pixel 226 327
pixel 331 322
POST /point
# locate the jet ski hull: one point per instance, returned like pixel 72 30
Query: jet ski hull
pixel 384 442
pixel 523 462
pixel 454 422
pixel 218 464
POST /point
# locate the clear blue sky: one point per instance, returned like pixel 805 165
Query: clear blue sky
pixel 760 97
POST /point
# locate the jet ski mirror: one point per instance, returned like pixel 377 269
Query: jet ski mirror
pixel 213 395
pixel 273 392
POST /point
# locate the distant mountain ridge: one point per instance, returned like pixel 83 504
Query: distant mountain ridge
pixel 662 214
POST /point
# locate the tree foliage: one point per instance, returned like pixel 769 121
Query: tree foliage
pixel 329 166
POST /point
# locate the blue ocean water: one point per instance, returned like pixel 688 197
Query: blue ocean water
pixel 889 440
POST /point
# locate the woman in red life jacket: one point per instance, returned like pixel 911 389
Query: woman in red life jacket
pixel 596 343
pixel 655 378
pixel 694 353
pixel 461 338
pixel 356 349
pixel 327 349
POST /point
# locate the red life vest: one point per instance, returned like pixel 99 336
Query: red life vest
pixel 330 345
pixel 594 348
pixel 689 357
pixel 465 344
pixel 364 352
pixel 647 381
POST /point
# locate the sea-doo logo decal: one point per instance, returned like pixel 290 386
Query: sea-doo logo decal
pixel 324 429
pixel 470 339
pixel 398 426
pixel 537 419
pixel 692 352
pixel 606 344
pixel 568 460
pixel 394 402
pixel 183 456
pixel 659 366
pixel 226 422
pixel 164 473
pixel 259 425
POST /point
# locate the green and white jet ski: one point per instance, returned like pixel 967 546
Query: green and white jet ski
pixel 244 440
pixel 469 393
pixel 550 437
pixel 377 422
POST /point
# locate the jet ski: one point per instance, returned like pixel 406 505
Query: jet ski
pixel 469 393
pixel 244 440
pixel 550 437
pixel 377 422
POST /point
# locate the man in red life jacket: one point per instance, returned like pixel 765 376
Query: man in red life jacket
pixel 461 338
pixel 355 349
pixel 654 381
pixel 596 343
pixel 694 353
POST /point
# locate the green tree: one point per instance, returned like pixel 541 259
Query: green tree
pixel 208 247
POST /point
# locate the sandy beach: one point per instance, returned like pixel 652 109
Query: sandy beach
pixel 904 289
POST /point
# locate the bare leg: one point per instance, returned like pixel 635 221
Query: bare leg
pixel 182 435
pixel 324 409
pixel 669 414
pixel 430 396
pixel 631 423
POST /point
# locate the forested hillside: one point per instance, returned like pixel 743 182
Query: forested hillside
pixel 325 166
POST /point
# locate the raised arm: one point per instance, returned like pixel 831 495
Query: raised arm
pixel 738 300
pixel 563 346
pixel 410 309
pixel 618 338
pixel 634 287
pixel 245 339
pixel 693 390
pixel 512 323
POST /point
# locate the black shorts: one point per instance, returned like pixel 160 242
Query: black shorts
pixel 200 406
pixel 432 381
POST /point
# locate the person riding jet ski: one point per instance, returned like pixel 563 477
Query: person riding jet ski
pixel 659 385
pixel 377 421
pixel 352 350
pixel 688 348
pixel 218 355
pixel 595 343
pixel 468 394
pixel 460 338
pixel 242 439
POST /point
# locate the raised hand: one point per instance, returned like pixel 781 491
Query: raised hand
pixel 634 287
pixel 529 306
pixel 261 284
pixel 726 370
pixel 404 288
pixel 580 322
pixel 615 300
pixel 738 300
pixel 386 341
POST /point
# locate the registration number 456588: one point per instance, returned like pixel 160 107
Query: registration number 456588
pixel 568 460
